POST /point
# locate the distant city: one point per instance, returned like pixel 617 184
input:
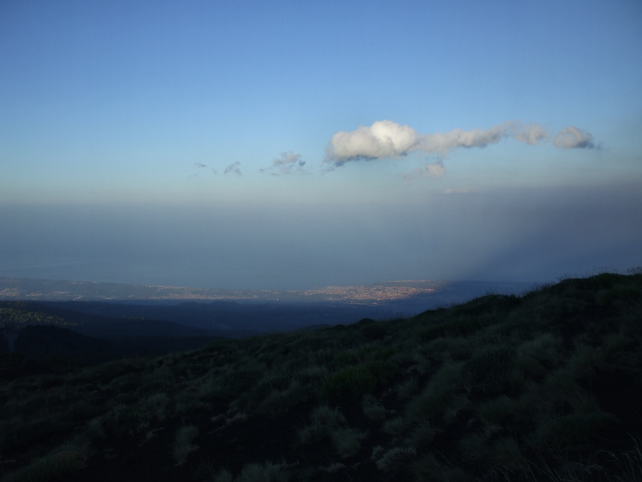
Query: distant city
pixel 50 290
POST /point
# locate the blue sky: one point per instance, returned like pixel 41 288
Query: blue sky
pixel 301 143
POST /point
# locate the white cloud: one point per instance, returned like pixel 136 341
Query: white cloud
pixel 444 142
pixel 286 163
pixel 531 134
pixel 571 137
pixel 233 168
pixel 386 139
pixel 380 140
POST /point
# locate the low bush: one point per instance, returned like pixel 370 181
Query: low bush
pixel 489 371
pixel 573 429
pixel 347 441
pixel 183 443
pixel 429 469
pixel 266 472
pixel 395 426
pixel 441 389
pixel 395 458
pixel 421 436
pixel 53 466
pixel 350 381
pixel 372 408
pixel 323 421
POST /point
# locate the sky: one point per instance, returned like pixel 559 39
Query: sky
pixel 291 145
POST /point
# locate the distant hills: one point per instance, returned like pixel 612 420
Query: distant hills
pixel 43 331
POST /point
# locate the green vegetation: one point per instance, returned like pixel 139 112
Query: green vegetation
pixel 546 386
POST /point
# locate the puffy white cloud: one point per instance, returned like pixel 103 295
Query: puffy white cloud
pixel 387 139
pixel 380 140
pixel 233 168
pixel 571 137
pixel 286 163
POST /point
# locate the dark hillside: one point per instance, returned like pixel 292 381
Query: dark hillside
pixel 546 386
pixel 233 319
pixel 23 313
pixel 49 336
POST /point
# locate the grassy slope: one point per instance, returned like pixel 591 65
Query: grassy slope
pixel 541 387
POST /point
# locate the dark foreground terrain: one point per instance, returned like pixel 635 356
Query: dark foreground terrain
pixel 544 386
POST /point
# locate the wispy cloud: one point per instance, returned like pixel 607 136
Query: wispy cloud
pixel 233 168
pixel 530 134
pixel 386 139
pixel 200 165
pixel 571 137
pixel 436 171
pixel 457 191
pixel 286 163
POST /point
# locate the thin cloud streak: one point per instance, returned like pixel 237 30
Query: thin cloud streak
pixel 233 168
pixel 435 171
pixel 287 163
pixel 200 165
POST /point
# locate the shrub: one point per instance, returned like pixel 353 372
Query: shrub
pixel 348 382
pixel 124 420
pixel 383 370
pixel 157 405
pixel 489 371
pixel 624 294
pixel 546 349
pixel 474 447
pixel 395 458
pixel 242 379
pixel 506 453
pixel 499 410
pixel 559 387
pixel 454 407
pixel 583 361
pixel 183 443
pixel 325 415
pixel 282 400
pixel 347 441
pixel 344 359
pixel 406 388
pixel 323 421
pixel 429 469
pixel 223 475
pixel 267 472
pixel 421 436
pixel 50 467
pixel 372 408
pixel 440 390
pixel 395 426
pixel 573 429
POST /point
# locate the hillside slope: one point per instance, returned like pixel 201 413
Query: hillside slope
pixel 546 386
